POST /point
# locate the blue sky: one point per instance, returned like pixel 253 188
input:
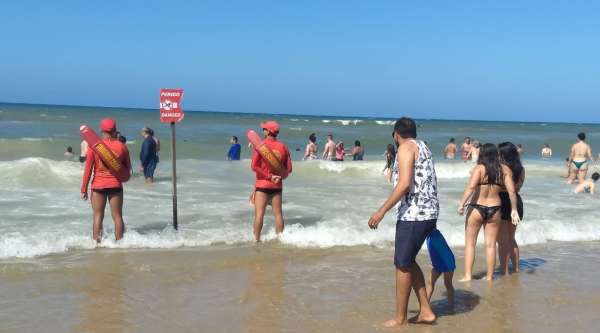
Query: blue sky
pixel 489 60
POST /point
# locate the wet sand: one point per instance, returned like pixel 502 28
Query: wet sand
pixel 274 288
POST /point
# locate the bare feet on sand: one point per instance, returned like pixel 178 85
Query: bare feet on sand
pixel 395 323
pixel 465 279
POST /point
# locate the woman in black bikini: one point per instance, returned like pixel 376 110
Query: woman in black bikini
pixel 488 179
pixel 507 245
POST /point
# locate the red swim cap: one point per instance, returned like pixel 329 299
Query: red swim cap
pixel 108 125
pixel 271 126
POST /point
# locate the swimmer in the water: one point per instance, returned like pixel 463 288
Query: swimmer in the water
pixel 329 151
pixel 466 149
pixel 579 159
pixel 450 150
pixel 546 151
pixel 390 158
pixel 69 152
pixel 589 185
pixel 310 153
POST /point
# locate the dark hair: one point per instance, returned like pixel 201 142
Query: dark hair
pixel 391 155
pixel 406 128
pixel 312 138
pixel 357 143
pixel 595 176
pixel 581 136
pixel 451 139
pixel 510 157
pixel 488 157
pixel 70 149
pixel 235 138
pixel 330 136
pixel 468 138
pixel 151 132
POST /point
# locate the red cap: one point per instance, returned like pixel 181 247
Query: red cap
pixel 271 126
pixel 108 125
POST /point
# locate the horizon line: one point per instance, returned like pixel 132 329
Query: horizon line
pixel 297 114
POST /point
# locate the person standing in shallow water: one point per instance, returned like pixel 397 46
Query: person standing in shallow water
pixel 579 159
pixel 450 150
pixel 234 150
pixel 105 186
pixel 507 244
pixel 148 157
pixel 466 149
pixel 310 153
pixel 269 186
pixel 358 152
pixel 417 208
pixel 482 193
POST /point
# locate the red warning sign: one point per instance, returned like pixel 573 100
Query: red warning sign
pixel 170 105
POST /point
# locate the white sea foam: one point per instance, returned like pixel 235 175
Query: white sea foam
pixel 37 139
pixel 349 122
pixel 42 213
pixel 326 121
pixel 385 122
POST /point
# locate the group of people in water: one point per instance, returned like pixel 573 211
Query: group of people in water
pixel 491 199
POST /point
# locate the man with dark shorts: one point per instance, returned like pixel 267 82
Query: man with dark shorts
pixel 417 209
pixel 269 186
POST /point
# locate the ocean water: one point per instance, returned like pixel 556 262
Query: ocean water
pixel 326 204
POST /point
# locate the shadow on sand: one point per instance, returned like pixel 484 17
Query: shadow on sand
pixel 464 301
pixel 528 266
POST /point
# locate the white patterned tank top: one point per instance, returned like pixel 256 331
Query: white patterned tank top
pixel 421 201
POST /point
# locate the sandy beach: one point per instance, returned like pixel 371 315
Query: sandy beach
pixel 275 288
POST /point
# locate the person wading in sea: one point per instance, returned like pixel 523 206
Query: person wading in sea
pixel 417 208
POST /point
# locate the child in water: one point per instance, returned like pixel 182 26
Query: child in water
pixel 588 185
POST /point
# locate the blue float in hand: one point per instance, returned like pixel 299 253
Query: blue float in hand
pixel 440 253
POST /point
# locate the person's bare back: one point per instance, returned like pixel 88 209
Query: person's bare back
pixel 581 155
pixel 450 151
pixel 329 150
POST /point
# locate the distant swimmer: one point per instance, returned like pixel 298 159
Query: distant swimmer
pixel 311 151
pixel 390 158
pixel 83 151
pixel 546 151
pixel 234 150
pixel 340 152
pixel 105 186
pixel 148 157
pixel 588 185
pixel 416 207
pixel 358 152
pixel 268 185
pixel 329 150
pixel 68 153
pixel 580 157
pixel 450 150
pixel 466 149
pixel 474 153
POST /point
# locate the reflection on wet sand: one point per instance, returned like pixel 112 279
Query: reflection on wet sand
pixel 103 308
